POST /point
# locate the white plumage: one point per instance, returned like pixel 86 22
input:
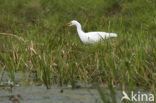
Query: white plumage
pixel 90 37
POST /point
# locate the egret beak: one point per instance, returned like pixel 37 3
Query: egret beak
pixel 68 24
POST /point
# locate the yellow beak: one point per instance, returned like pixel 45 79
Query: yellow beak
pixel 68 24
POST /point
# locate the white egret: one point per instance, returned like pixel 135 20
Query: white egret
pixel 90 37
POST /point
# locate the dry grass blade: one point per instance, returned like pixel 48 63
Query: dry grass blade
pixel 13 35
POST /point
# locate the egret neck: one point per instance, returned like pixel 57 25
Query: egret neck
pixel 79 29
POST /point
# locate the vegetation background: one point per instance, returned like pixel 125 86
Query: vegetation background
pixel 33 38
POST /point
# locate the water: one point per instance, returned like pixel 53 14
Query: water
pixel 39 94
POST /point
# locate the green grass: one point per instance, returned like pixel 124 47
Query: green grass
pixel 58 56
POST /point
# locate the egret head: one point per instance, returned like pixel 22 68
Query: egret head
pixel 73 22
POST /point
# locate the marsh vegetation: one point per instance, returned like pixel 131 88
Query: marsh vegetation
pixel 34 39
